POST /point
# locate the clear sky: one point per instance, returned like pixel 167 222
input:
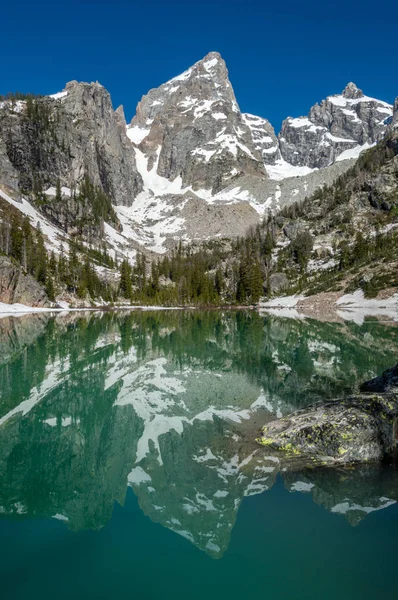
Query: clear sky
pixel 282 56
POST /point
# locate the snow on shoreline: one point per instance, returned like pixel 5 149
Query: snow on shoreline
pixel 349 307
pixel 358 300
pixel 282 302
pixel 355 307
pixel 18 310
pixel 284 306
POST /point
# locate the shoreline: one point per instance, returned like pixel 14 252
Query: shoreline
pixel 326 306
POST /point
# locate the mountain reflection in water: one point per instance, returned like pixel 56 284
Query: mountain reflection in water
pixel 169 404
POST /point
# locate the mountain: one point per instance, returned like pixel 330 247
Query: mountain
pixel 192 128
pixel 341 238
pixel 338 128
pixel 218 171
pixel 65 136
pixel 190 166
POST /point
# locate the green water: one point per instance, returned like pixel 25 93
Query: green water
pixel 128 466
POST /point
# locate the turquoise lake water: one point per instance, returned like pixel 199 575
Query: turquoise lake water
pixel 128 466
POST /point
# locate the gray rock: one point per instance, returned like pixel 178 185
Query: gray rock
pixel 277 282
pixel 15 286
pixel 75 134
pixel 394 122
pixel 292 229
pixel 165 282
pixel 8 175
pixel 356 429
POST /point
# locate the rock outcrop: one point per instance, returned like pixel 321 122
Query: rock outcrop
pixel 66 136
pixel 17 287
pixel 335 128
pixel 359 428
pixel 8 175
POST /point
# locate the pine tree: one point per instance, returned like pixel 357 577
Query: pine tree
pixel 125 287
pixel 219 283
pixel 40 271
pixel 16 236
pixel 58 194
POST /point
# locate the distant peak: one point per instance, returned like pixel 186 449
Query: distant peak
pixel 352 92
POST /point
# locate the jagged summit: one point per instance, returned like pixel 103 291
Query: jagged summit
pixel 207 63
pixel 352 92
pixel 191 128
pixel 338 128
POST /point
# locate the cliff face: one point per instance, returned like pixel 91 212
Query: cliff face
pixel 16 287
pixel 66 136
pixel 394 122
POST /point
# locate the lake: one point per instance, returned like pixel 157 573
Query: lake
pixel 129 468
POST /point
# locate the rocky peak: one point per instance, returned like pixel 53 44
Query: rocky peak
pixel 352 92
pixel 338 128
pixel 191 127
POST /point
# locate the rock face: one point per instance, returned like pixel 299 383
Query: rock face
pixel 357 429
pixel 15 286
pixel 394 123
pixel 8 175
pixel 338 125
pixel 66 136
pixel 277 283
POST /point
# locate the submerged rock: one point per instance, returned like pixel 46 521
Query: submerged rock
pixel 359 428
pixel 386 382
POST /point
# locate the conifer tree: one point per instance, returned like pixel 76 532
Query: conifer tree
pixel 125 280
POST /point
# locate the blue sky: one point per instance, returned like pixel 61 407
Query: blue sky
pixel 282 56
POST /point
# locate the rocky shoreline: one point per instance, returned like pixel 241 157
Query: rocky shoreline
pixel 360 428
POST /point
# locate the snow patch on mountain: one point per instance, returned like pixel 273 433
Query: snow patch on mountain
pixel 59 95
pixel 282 170
pixel 55 239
